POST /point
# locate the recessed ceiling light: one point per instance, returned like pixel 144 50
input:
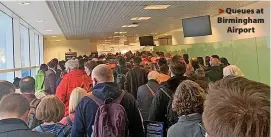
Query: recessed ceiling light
pixel 58 40
pixel 140 18
pixel 24 3
pixel 129 26
pixel 156 7
pixel 53 36
pixel 121 32
pixel 49 30
pixel 40 20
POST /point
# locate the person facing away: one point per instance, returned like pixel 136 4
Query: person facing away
pixel 215 73
pixel 14 109
pixel 73 79
pixel 50 78
pixel 135 78
pixel 232 70
pixel 120 72
pixel 89 66
pixel 224 62
pixel 51 111
pixel 6 88
pixel 188 103
pixel 159 110
pixel 76 96
pixel 105 88
pixel 237 107
pixel 40 79
pixel 164 71
pixel 146 92
pixel 16 84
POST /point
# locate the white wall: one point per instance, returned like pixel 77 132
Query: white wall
pixel 219 30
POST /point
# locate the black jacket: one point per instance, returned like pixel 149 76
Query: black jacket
pixel 120 70
pixel 160 101
pixel 135 78
pixel 18 128
pixel 215 74
pixel 144 97
pixel 87 108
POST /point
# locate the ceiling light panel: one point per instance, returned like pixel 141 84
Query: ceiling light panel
pixel 156 7
pixel 24 3
pixel 140 18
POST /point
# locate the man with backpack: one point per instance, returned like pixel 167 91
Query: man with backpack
pixel 161 104
pixel 120 72
pixel 108 111
pixel 27 87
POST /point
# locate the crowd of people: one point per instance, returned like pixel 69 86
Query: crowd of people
pixel 113 95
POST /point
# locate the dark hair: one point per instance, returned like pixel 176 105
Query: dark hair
pixel 207 60
pixel 137 60
pixel 16 82
pixel 121 61
pixel 176 67
pixel 200 60
pixel 224 61
pixel 161 61
pixel 55 60
pixel 164 69
pixel 91 65
pixel 14 104
pixel 194 63
pixel 186 58
pixel 215 56
pixel 81 64
pixel 27 84
pixel 51 64
pixel 6 88
pixel 43 67
pixel 238 107
pixel 188 98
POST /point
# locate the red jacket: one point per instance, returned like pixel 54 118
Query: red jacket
pixel 70 81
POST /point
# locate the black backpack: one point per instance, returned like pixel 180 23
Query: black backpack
pixel 171 116
pixel 33 122
pixel 120 76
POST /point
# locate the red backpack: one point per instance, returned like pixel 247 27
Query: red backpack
pixel 111 119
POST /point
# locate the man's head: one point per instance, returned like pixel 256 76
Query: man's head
pixel 72 65
pixel 121 61
pixel 101 74
pixel 27 85
pixel 43 67
pixel 176 67
pixel 164 69
pixel 55 60
pixel 51 64
pixel 215 62
pixel 14 106
pixel 153 75
pixel 6 88
pixel 162 61
pixel 137 60
pixel 237 107
pixel 215 56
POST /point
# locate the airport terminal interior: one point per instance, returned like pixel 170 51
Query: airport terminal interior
pixel 161 68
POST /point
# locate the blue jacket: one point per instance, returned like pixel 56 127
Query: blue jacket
pixel 87 108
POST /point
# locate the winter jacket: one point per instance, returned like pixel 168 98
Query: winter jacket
pixel 135 78
pixel 187 126
pixel 58 129
pixel 158 109
pixel 39 81
pixel 144 97
pixel 215 74
pixel 72 80
pixel 17 128
pixel 120 70
pixel 50 81
pixel 87 108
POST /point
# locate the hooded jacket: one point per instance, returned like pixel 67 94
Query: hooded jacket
pixel 87 108
pixel 72 80
pixel 40 79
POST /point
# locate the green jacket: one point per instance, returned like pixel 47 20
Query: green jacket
pixel 39 82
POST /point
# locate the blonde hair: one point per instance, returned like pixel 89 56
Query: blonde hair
pixel 50 109
pixel 232 70
pixel 76 96
pixel 72 64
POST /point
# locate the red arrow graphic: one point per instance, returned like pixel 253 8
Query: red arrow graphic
pixel 220 11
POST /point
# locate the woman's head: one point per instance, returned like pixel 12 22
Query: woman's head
pixel 224 61
pixel 89 66
pixel 188 98
pixel 200 60
pixel 232 70
pixel 76 96
pixel 50 109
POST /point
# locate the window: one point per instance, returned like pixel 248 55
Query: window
pixel 25 46
pixel 6 46
pixel 41 49
pixel 37 50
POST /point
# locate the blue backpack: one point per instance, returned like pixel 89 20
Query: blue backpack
pixel 64 131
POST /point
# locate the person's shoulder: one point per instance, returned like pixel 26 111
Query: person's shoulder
pixel 30 133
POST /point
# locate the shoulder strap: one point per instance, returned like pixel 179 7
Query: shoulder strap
pixel 34 103
pixel 69 120
pixel 153 94
pixel 98 101
pixel 165 92
pixel 39 129
pixel 118 100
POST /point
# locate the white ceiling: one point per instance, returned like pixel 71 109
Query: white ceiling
pixel 100 19
pixel 37 10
